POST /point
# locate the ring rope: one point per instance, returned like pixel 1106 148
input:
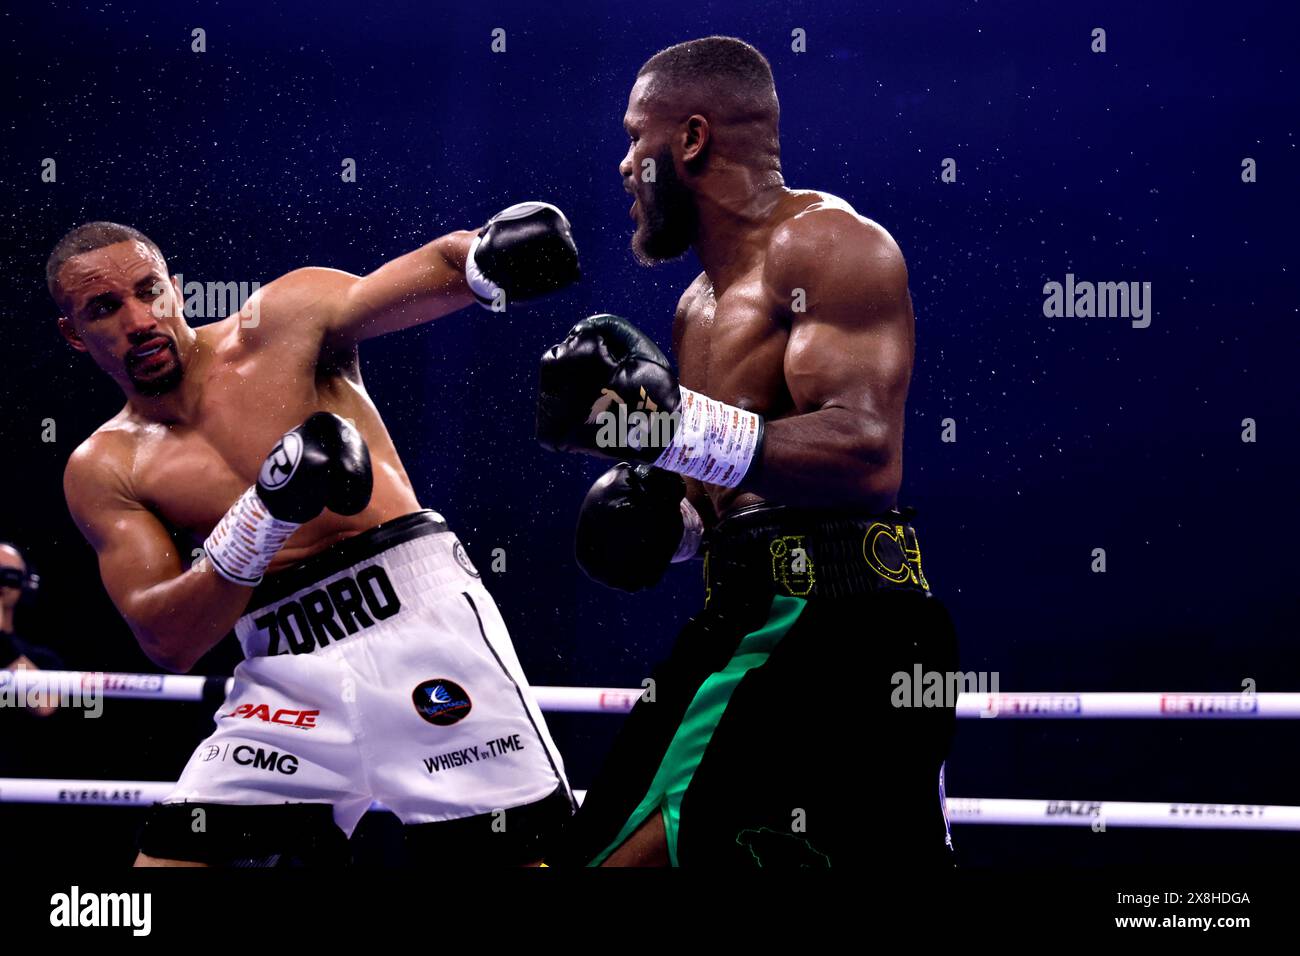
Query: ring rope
pixel 105 793
pixel 593 700
pixel 1097 814
pixel 1100 814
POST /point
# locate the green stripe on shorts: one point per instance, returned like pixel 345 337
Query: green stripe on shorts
pixel 684 753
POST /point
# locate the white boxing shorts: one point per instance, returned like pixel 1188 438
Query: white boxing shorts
pixel 378 670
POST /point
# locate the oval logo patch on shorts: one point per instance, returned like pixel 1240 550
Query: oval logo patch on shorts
pixel 462 559
pixel 441 701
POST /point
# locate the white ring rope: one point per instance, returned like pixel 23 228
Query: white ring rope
pixel 76 685
pixel 105 793
pixel 1097 814
pixel 1140 706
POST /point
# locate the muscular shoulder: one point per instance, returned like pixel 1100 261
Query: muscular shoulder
pixel 304 288
pixel 694 294
pixel 300 302
pixel 98 470
pixel 694 291
pixel 829 250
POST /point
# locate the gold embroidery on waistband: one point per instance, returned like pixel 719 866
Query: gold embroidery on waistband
pixel 792 568
pixel 899 575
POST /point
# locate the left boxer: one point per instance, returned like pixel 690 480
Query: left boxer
pixel 377 666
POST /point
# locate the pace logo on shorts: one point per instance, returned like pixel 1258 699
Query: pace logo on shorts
pixel 282 462
pixel 458 552
pixel 441 701
pixel 297 719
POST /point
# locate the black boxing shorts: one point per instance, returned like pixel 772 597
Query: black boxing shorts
pixel 776 736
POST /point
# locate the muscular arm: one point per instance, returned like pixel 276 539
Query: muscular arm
pixel 177 614
pixel 696 492
pixel 411 289
pixel 848 362
pixel 328 311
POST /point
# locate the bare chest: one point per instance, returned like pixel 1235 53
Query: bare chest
pixel 190 475
pixel 732 348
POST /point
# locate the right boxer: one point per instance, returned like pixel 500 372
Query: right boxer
pixel 770 739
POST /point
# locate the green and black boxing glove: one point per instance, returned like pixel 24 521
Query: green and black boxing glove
pixel 608 390
pixel 634 522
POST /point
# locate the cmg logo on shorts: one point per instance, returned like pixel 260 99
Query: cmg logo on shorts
pixel 331 613
pixel 272 761
pixel 441 701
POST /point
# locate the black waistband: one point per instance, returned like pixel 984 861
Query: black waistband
pixel 771 549
pixel 341 556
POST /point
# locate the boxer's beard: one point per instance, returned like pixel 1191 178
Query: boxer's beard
pixel 669 219
pixel 160 384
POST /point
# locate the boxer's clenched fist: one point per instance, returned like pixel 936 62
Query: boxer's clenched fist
pixel 523 252
pixel 323 463
pixel 603 363
pixel 608 390
pixel 634 522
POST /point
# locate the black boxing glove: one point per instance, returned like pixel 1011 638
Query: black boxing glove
pixel 523 253
pixel 351 478
pixel 608 390
pixel 634 522
pixel 323 463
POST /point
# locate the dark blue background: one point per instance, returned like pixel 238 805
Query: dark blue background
pixel 1072 434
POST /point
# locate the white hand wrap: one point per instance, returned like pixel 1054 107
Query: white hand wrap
pixel 245 540
pixel 692 533
pixel 714 442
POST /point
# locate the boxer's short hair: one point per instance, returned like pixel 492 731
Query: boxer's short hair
pixel 87 238
pixel 715 61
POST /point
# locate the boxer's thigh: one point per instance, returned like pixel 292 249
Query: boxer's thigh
pixel 279 773
pixel 212 834
pixel 627 777
pixel 449 727
pixel 810 765
pixel 509 836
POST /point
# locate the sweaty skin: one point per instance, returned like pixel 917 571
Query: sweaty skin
pixel 802 314
pixel 832 379
pixel 172 464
